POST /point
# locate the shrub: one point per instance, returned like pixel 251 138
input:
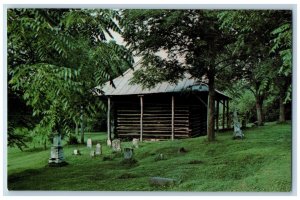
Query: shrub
pixel 73 140
pixel 195 162
pixel 129 162
pixel 107 158
pixel 19 137
pixel 127 176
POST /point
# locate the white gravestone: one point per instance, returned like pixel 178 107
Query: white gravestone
pixel 92 153
pixel 76 152
pixel 237 127
pixel 98 149
pixel 116 145
pixel 57 154
pixel 135 143
pixel 89 143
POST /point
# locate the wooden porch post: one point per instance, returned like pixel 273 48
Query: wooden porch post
pixel 207 114
pixel 141 118
pixel 217 117
pixel 108 123
pixel 172 117
pixel 223 115
pixel 227 113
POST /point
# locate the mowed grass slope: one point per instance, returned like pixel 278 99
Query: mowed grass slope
pixel 261 162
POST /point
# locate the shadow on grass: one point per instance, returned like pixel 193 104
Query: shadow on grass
pixel 127 176
pixel 21 176
pixel 35 149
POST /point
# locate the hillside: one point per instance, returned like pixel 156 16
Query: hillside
pixel 260 162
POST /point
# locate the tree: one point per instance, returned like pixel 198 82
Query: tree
pixel 55 58
pixel 282 48
pixel 254 32
pixel 191 41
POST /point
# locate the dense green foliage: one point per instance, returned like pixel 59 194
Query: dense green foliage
pixel 56 57
pixel 224 165
pixel 261 39
pixel 245 49
pixel 191 41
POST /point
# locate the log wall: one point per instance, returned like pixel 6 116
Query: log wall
pixel 198 123
pixel 157 121
pixel 189 117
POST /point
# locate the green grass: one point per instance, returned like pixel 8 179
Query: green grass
pixel 261 162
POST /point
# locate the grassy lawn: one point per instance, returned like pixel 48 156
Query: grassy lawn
pixel 261 162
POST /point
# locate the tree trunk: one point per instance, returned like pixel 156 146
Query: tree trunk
pixel 211 108
pixel 108 122
pixel 217 117
pixel 45 144
pixel 282 83
pixel 281 109
pixel 228 114
pixel 259 113
pixel 76 128
pixel 82 128
pixel 223 115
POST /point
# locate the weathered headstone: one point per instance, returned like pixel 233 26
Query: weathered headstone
pixel 128 153
pixel 116 145
pixel 160 157
pixel 92 153
pixel 98 149
pixel 76 152
pixel 135 143
pixel 160 181
pixel 89 143
pixel 237 132
pixel 57 154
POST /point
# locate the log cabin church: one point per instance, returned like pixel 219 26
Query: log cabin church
pixel 167 111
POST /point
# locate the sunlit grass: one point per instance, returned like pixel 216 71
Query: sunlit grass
pixel 261 162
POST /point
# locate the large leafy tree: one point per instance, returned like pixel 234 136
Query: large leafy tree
pixel 258 63
pixel 282 50
pixel 189 40
pixel 55 58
